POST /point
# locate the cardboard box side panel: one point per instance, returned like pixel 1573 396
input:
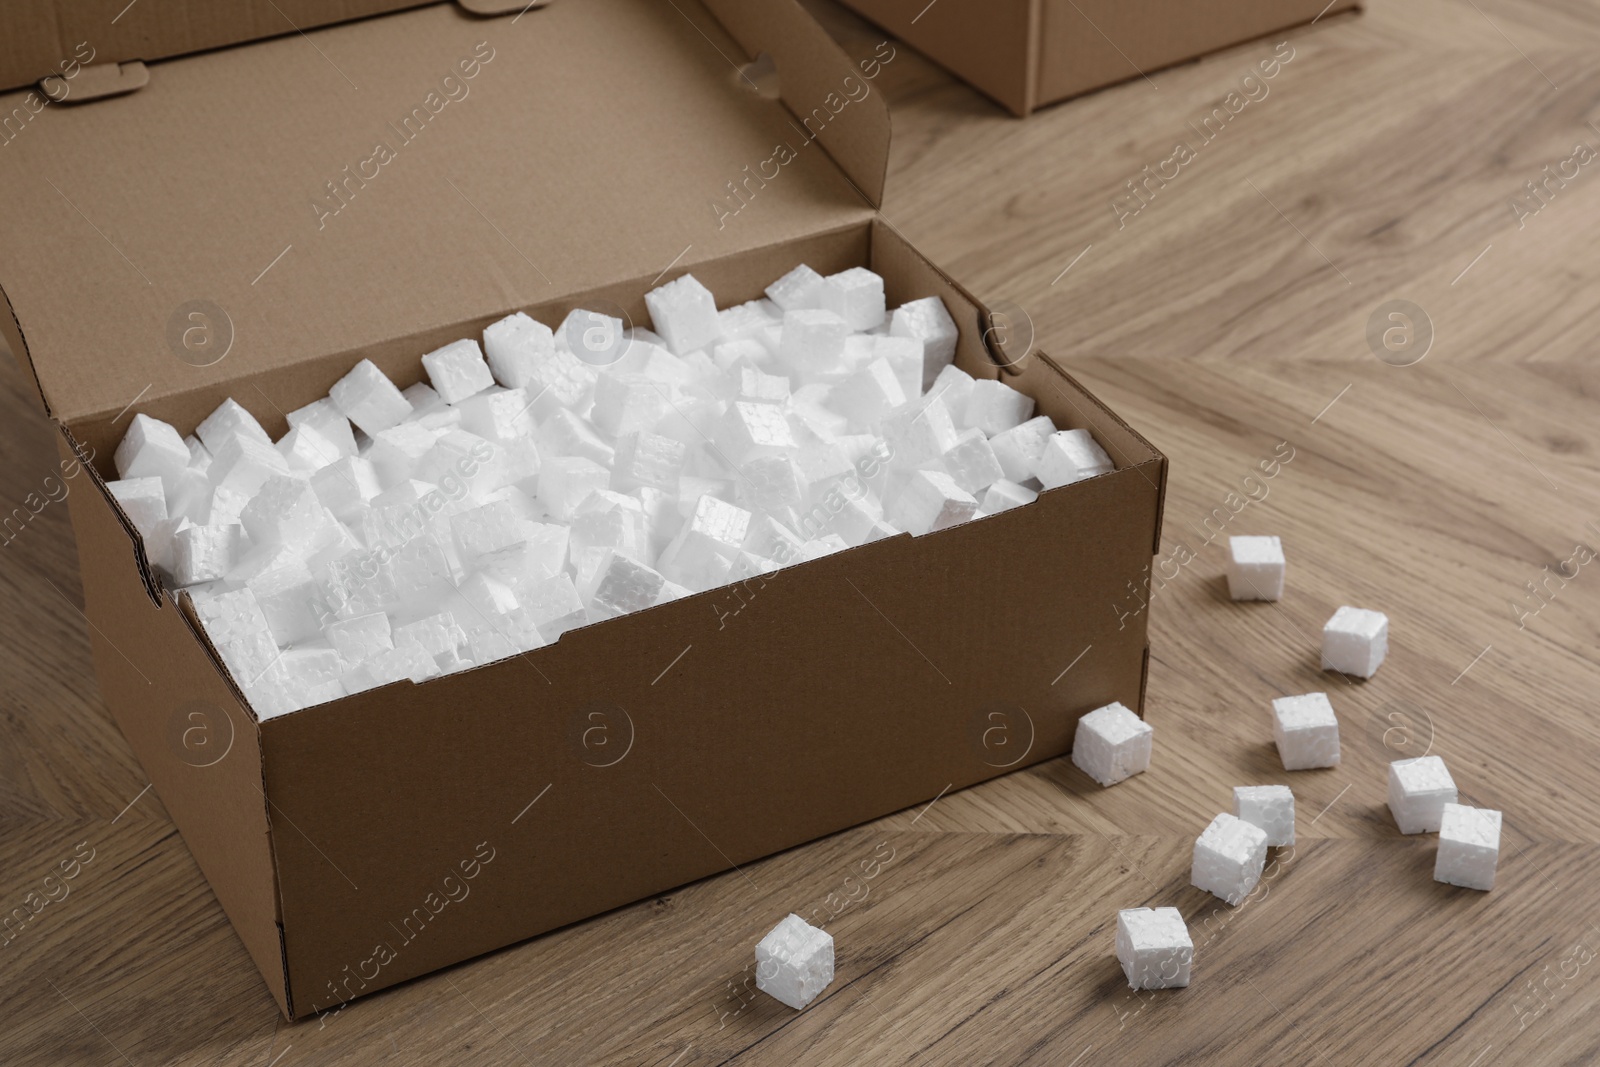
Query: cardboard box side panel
pixel 554 786
pixel 271 394
pixel 54 37
pixel 329 228
pixel 197 744
pixel 11 333
pixel 1077 53
pixel 989 44
pixel 830 96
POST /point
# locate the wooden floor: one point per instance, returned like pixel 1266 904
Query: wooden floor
pixel 1228 315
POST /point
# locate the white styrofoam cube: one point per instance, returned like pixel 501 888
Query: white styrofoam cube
pixel 971 462
pixel 747 350
pixel 457 370
pixel 287 594
pixel 1255 568
pixel 567 481
pixel 484 530
pixel 397 452
pixel 756 385
pixel 346 485
pixel 1229 856
pixel 1004 495
pixel 1019 448
pixel 150 448
pixel 230 419
pixel 285 511
pixel 244 464
pixel 954 386
pixel 360 638
pixel 438 635
pixel 1306 731
pixel 1112 744
pixel 368 398
pixel 326 418
pixel 627 403
pixel 1469 847
pixel 747 430
pixel 204 553
pixel 301 678
pixel 238 631
pixel 1355 641
pixel 620 585
pixel 904 357
pixel 769 483
pixel 919 433
pixel 199 454
pixel 554 606
pixel 856 296
pixel 514 346
pixel 1154 948
pixel 684 313
pixel 799 290
pixel 704 549
pixel 930 501
pixel 927 322
pixel 611 520
pixel 811 341
pixel 995 407
pixel 143 500
pixel 794 962
pixel 1070 456
pixel 742 321
pixel 647 459
pixel 498 415
pixel 566 433
pixel 868 395
pixel 305 449
pixel 1270 807
pixel 1418 791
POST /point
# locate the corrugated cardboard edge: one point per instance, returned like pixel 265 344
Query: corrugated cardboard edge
pixel 220 808
pixel 11 329
pixel 811 69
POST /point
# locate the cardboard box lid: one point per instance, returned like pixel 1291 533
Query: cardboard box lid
pixel 309 196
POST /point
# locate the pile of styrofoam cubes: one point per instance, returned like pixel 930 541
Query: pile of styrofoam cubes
pixel 551 479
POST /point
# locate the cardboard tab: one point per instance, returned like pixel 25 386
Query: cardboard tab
pixel 96 83
pixel 500 7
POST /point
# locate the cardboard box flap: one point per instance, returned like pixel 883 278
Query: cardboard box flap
pixel 306 197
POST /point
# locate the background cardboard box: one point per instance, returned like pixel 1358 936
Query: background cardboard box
pixel 1025 54
pixel 370 840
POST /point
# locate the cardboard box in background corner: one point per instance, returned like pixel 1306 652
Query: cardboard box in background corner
pixel 1026 54
pixel 366 841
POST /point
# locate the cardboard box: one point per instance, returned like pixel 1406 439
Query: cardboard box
pixel 1025 54
pixel 364 842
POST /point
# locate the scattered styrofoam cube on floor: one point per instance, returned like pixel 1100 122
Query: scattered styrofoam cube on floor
pixel 1154 948
pixel 1354 641
pixel 1019 448
pixel 927 321
pixel 150 449
pixel 1229 856
pixel 930 501
pixel 230 419
pixel 799 290
pixel 143 500
pixel 1270 807
pixel 1418 791
pixel 856 296
pixel 794 962
pixel 1255 568
pixel 1306 731
pixel 1070 456
pixel 1112 744
pixel 994 407
pixel 1004 495
pixel 1469 847
pixel 514 346
pixel 684 313
pixel 368 398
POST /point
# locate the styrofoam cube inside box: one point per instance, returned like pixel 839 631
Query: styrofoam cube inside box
pixel 620 585
pixel 326 418
pixel 230 419
pixel 1154 948
pixel 684 313
pixel 953 386
pixel 799 290
pixel 239 632
pixel 928 322
pixel 971 462
pixel 930 501
pixel 1019 448
pixel 869 394
pixel 143 500
pixel 904 356
pixel 794 962
pixel 1469 847
pixel 305 449
pixel 1229 856
pixel 369 399
pixel 922 432
pixel 1355 641
pixel 566 481
pixel 994 407
pixel 747 430
pixel 627 403
pixel 1418 791
pixel 757 385
pixel 701 554
pixel 856 296
pixel 514 346
pixel 811 341
pixel 743 321
pixel 243 465
pixel 150 449
pixel 457 370
pixel 204 553
pixel 1306 732
pixel 1070 456
pixel 1112 744
pixel 1255 568
pixel 1004 495
pixel 647 459
pixel 1270 807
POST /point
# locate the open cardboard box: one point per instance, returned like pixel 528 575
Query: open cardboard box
pixel 366 841
pixel 1025 54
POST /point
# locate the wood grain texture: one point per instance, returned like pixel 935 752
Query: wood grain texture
pixel 1390 145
